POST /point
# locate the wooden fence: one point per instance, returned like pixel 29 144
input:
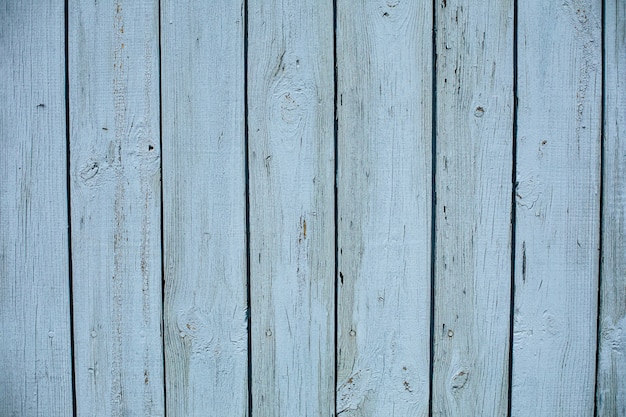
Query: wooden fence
pixel 307 208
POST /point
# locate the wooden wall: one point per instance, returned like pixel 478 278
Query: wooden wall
pixel 313 208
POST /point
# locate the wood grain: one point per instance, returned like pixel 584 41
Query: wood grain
pixel 384 112
pixel 558 208
pixel 611 394
pixel 205 311
pixel 115 189
pixel 292 250
pixel 473 217
pixel 35 346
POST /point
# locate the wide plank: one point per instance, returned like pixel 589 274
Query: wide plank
pixel 204 209
pixel 116 206
pixel 474 146
pixel 557 208
pixel 35 342
pixel 292 233
pixel 384 112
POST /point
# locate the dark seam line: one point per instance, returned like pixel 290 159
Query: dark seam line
pixel 247 192
pixel 336 208
pixel 433 205
pixel 513 215
pixel 163 274
pixel 69 205
pixel 601 213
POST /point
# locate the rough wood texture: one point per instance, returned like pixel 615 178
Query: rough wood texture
pixel 35 346
pixel 558 204
pixel 204 208
pixel 384 116
pixel 378 362
pixel 611 395
pixel 292 250
pixel 473 214
pixel 115 188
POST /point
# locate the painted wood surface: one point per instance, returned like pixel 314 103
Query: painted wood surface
pixel 557 208
pixel 474 148
pixel 307 140
pixel 384 62
pixel 35 344
pixel 115 207
pixel 292 250
pixel 611 391
pixel 204 208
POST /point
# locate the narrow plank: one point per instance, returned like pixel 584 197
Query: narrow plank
pixel 202 53
pixel 558 204
pixel 473 209
pixel 36 363
pixel 292 250
pixel 611 395
pixel 384 63
pixel 115 206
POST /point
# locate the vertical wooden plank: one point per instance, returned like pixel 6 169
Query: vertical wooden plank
pixel 204 208
pixel 384 63
pixel 35 363
pixel 557 208
pixel 611 395
pixel 292 250
pixel 115 189
pixel 473 219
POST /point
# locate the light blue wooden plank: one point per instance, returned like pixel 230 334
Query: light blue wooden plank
pixel 558 208
pixel 384 103
pixel 35 345
pixel 292 250
pixel 611 395
pixel 473 218
pixel 115 207
pixel 204 211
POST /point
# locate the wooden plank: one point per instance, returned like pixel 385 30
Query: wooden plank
pixel 205 310
pixel 473 213
pixel 292 250
pixel 557 211
pixel 611 394
pixel 115 206
pixel 36 363
pixel 384 63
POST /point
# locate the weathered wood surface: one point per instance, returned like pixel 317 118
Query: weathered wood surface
pixel 115 207
pixel 292 250
pixel 558 208
pixel 339 230
pixel 473 213
pixel 384 63
pixel 611 394
pixel 35 345
pixel 204 208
